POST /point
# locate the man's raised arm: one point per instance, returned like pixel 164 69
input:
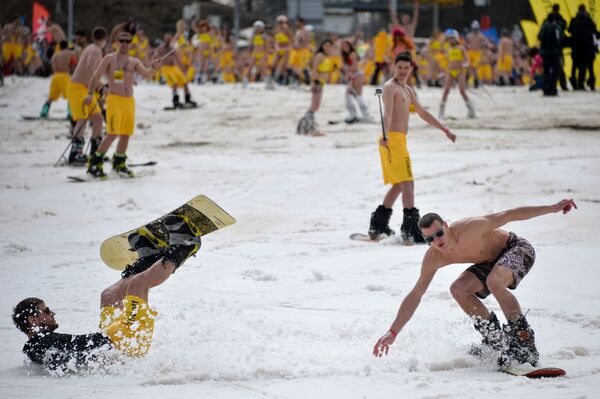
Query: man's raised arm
pixel 528 212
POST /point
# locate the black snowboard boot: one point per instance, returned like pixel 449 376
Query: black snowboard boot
pixel 519 345
pixel 119 166
pixel 492 336
pixel 188 100
pixel 178 254
pixel 141 265
pixel 176 103
pixel 76 156
pixel 380 223
pixel 95 165
pixel 410 230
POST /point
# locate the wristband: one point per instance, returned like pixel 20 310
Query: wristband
pixel 392 331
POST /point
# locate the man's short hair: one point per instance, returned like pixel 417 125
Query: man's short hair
pixel 403 56
pixel 27 307
pixel 427 220
pixel 63 44
pixel 99 33
pixel 555 7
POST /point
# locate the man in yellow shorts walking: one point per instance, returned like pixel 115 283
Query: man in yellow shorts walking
pixel 120 69
pixel 126 319
pixel 61 64
pixel 77 91
pixel 398 97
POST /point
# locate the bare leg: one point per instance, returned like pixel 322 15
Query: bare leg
pixel 461 86
pixel 155 275
pixel 498 281
pixel 408 194
pixel 316 99
pixel 106 143
pixel 463 290
pixel 447 86
pixel 122 144
pixel 114 294
pixel 96 120
pixel 392 195
pixel 79 128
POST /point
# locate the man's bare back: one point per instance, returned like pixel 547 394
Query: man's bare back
pixel 90 58
pixel 61 61
pixel 505 47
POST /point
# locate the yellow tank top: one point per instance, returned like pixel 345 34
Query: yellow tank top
pixel 435 45
pixel 258 40
pixel 455 54
pixel 205 38
pixel 325 66
pixel 282 38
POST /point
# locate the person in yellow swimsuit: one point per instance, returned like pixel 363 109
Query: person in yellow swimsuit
pixel 321 69
pixel 119 69
pixel 226 60
pixel 184 50
pixel 172 71
pixel 283 46
pixel 456 72
pixel 476 42
pixel 381 51
pixel 126 319
pixel 202 41
pixel 505 58
pixel 258 58
pixel 61 64
pixel 396 164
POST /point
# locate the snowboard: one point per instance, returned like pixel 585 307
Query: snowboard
pixel 201 210
pixel 546 372
pixel 182 107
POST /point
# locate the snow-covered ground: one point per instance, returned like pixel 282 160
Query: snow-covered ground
pixel 282 304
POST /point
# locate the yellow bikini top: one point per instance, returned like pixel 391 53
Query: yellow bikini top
pixel 205 38
pixel 282 38
pixel 258 40
pixel 455 54
pixel 325 66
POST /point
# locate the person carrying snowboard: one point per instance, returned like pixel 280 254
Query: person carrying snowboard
pixel 398 97
pixel 501 259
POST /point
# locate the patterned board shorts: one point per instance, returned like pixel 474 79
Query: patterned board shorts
pixel 518 256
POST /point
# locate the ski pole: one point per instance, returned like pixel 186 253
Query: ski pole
pixel 378 93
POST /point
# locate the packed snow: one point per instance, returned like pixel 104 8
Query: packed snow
pixel 282 304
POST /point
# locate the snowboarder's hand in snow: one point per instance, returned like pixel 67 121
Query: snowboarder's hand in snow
pixel 383 344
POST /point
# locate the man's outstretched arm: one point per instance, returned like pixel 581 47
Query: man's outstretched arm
pixel 410 303
pixel 528 212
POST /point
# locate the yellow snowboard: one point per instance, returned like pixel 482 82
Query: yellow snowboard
pixel 202 211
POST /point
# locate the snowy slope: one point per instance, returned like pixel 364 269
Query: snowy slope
pixel 283 304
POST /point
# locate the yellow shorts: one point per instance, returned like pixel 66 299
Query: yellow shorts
pixel 505 64
pixel 76 94
pixel 120 115
pixel 130 328
pixel 395 160
pixel 173 75
pixel 484 72
pixel 228 77
pixel 189 75
pixel 474 57
pixel 12 50
pixel 58 85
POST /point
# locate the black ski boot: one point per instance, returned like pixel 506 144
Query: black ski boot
pixel 76 156
pixel 95 165
pixel 492 336
pixel 119 166
pixel 94 144
pixel 519 344
pixel 189 102
pixel 141 265
pixel 380 223
pixel 184 237
pixel 410 230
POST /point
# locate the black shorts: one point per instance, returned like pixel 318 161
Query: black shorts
pixel 518 256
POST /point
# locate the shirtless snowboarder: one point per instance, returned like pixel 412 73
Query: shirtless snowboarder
pixel 500 260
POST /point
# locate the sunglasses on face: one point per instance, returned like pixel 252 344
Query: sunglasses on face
pixel 125 41
pixel 47 311
pixel 429 239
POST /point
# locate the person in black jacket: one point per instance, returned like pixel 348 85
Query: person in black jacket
pixel 126 319
pixel 583 30
pixel 562 23
pixel 551 37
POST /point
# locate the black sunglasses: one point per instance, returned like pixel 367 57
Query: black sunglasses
pixel 125 41
pixel 429 239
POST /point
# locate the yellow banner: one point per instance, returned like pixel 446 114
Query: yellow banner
pixel 541 9
pixel 530 30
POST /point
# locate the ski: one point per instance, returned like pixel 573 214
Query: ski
pixel 39 118
pixel 182 107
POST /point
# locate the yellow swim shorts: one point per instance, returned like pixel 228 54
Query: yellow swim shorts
pixel 76 94
pixel 505 64
pixel 120 115
pixel 58 85
pixel 395 160
pixel 130 330
pixel 173 75
pixel 474 57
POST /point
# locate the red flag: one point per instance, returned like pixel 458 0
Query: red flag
pixel 40 22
